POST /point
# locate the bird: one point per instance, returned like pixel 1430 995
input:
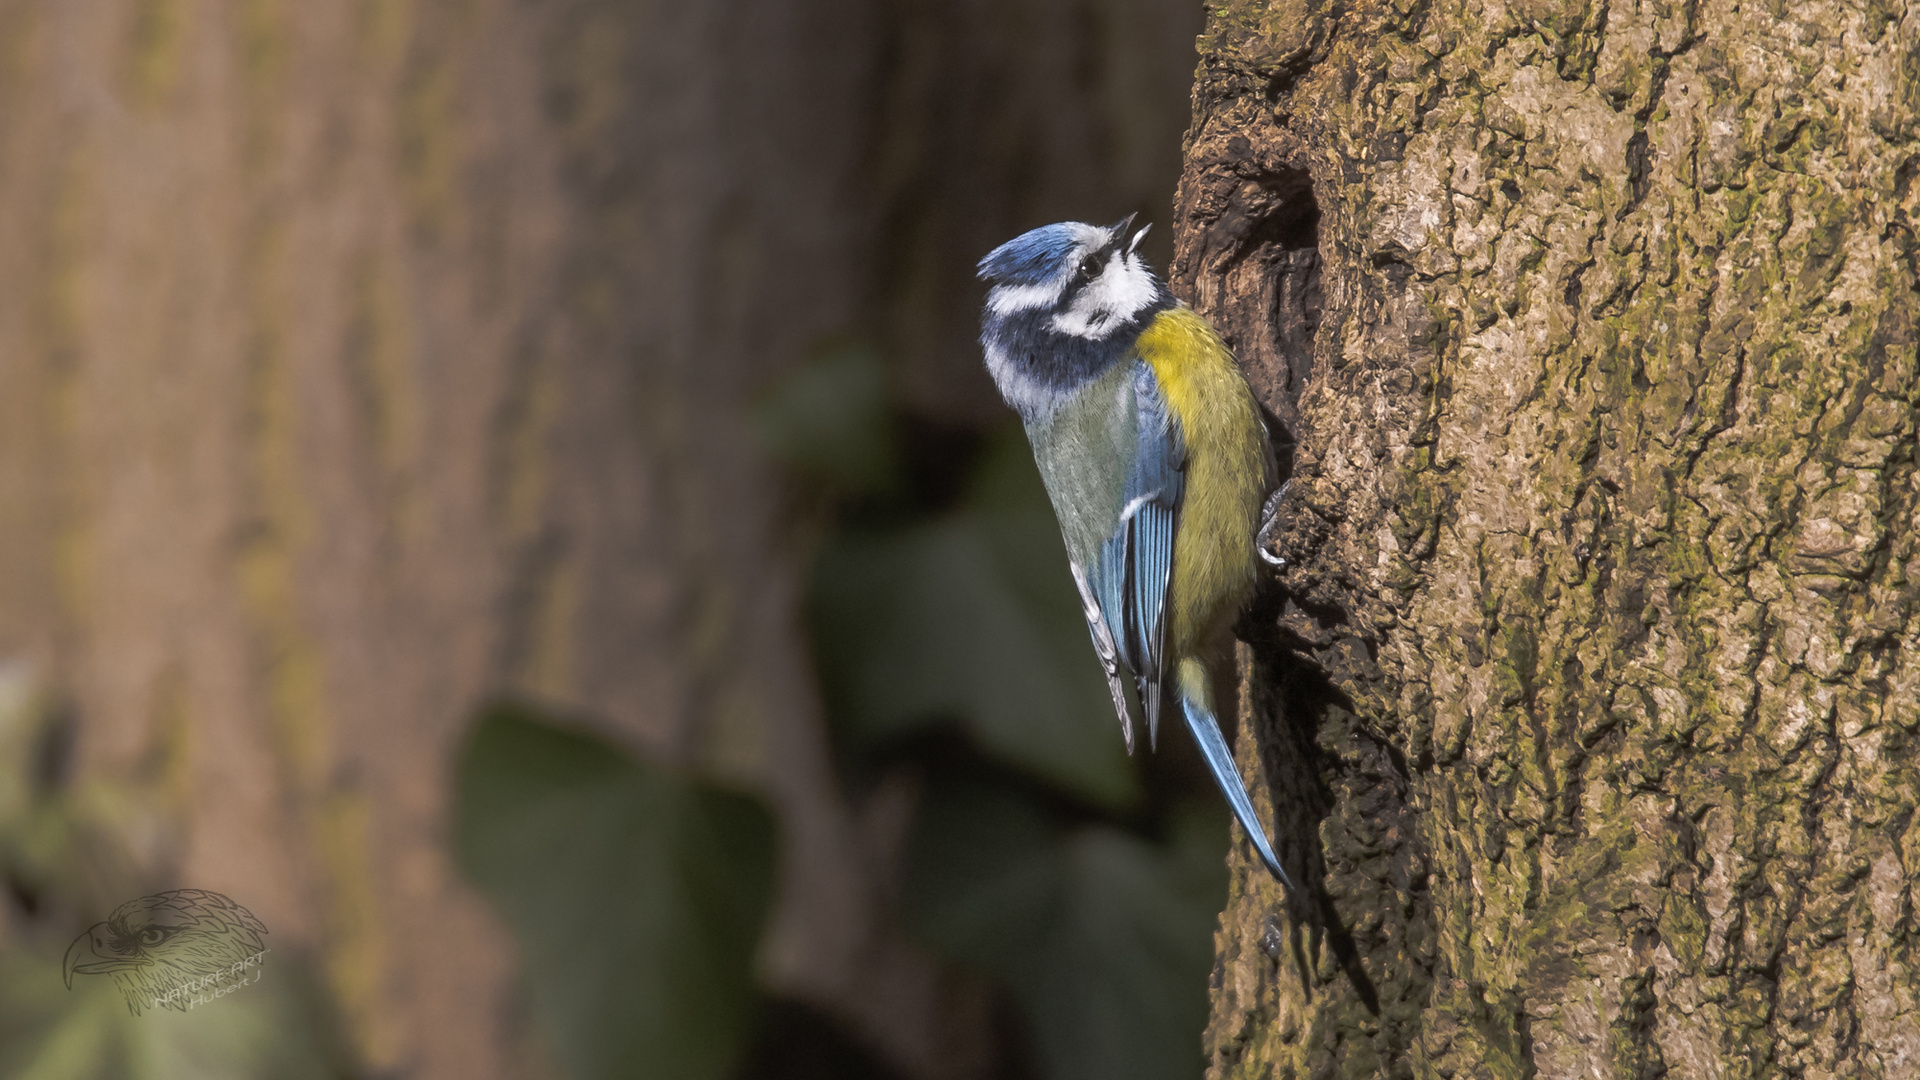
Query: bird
pixel 170 949
pixel 1155 458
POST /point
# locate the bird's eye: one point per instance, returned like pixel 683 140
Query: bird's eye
pixel 1083 273
pixel 152 935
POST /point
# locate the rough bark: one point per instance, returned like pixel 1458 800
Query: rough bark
pixel 1587 702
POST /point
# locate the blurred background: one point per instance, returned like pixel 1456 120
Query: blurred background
pixel 506 491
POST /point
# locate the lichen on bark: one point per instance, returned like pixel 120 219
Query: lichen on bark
pixel 1585 706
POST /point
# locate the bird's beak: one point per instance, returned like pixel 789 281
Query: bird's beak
pixel 84 959
pixel 1133 245
pixel 1119 228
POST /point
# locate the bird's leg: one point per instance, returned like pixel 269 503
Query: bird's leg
pixel 1269 524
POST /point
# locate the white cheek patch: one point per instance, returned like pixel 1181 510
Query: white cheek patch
pixel 1006 300
pixel 1123 290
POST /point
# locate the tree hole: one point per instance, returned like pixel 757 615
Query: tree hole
pixel 1273 294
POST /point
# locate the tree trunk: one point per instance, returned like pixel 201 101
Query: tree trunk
pixel 1586 702
pixel 368 360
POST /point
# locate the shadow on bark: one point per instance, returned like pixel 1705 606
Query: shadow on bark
pixel 1292 698
pixel 1267 259
pixel 1360 932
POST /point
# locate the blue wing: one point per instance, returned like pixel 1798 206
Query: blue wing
pixel 1129 579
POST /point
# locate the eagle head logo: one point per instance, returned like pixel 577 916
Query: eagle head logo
pixel 165 949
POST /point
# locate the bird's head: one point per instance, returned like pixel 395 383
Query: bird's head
pixel 156 943
pixel 1082 281
pixel 1065 303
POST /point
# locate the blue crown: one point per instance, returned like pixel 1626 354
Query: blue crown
pixel 1033 256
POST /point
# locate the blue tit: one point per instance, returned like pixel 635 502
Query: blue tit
pixel 1154 455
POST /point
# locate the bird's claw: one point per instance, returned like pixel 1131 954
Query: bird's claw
pixel 1269 524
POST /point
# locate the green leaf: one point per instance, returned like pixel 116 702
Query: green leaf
pixel 829 419
pixel 1103 939
pixel 972 617
pixel 638 896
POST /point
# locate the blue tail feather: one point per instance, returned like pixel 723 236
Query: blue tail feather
pixel 1213 747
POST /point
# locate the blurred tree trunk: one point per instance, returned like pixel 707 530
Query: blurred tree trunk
pixel 363 361
pixel 1587 703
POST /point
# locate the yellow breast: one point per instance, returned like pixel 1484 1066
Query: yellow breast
pixel 1228 462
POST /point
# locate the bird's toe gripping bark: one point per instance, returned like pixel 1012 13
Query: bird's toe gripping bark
pixel 1270 524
